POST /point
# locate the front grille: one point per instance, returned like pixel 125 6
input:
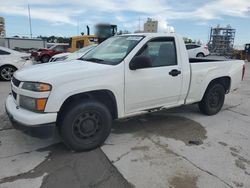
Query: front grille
pixel 14 94
pixel 16 82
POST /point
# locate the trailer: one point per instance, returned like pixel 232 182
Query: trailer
pixel 23 44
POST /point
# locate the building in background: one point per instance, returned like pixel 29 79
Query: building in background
pixel 221 40
pixel 2 27
pixel 151 26
pixel 23 44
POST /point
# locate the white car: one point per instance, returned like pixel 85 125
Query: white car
pixel 195 50
pixel 72 56
pixel 83 97
pixel 10 61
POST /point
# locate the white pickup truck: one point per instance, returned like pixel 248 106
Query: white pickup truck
pixel 124 76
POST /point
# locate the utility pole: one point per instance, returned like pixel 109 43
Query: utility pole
pixel 139 24
pixel 30 21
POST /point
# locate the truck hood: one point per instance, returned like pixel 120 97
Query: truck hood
pixel 57 72
pixel 70 56
pixel 61 55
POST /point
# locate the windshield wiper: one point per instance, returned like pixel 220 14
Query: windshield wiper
pixel 92 59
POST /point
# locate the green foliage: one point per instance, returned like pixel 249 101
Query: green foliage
pixel 55 39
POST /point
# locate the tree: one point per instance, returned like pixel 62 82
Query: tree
pixel 55 39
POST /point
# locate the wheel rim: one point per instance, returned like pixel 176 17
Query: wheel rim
pixel 86 125
pixel 214 99
pixel 7 73
pixel 200 55
pixel 45 59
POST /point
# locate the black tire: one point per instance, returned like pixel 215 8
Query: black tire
pixel 45 58
pixel 200 55
pixel 6 72
pixel 85 125
pixel 212 100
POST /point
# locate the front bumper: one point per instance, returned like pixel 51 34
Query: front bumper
pixel 35 58
pixel 24 118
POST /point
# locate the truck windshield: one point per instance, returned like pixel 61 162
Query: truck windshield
pixel 86 49
pixel 113 50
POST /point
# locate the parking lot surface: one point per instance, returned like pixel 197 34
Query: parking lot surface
pixel 172 148
pixel 38 159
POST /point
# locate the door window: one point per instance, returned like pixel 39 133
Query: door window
pixel 58 48
pixel 80 44
pixel 65 48
pixel 191 46
pixel 161 51
pixel 2 52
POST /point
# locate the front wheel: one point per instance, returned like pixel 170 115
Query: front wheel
pixel 7 72
pixel 45 59
pixel 212 100
pixel 85 125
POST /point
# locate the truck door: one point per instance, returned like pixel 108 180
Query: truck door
pixel 158 85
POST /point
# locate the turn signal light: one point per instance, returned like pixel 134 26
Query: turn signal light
pixel 40 104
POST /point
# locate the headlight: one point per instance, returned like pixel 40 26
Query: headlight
pixel 33 104
pixel 35 86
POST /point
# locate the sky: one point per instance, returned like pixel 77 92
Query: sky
pixel 189 18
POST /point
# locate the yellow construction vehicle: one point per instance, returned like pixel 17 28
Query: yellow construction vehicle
pixel 103 31
pixel 78 42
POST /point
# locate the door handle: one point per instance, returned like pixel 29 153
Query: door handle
pixel 174 72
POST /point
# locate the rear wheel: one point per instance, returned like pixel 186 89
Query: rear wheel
pixel 212 100
pixel 200 55
pixel 85 125
pixel 45 59
pixel 6 72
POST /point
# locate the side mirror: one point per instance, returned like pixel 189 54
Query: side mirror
pixel 140 62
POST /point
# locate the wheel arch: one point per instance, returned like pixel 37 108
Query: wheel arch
pixel 4 65
pixel 44 55
pixel 106 97
pixel 225 81
pixel 200 53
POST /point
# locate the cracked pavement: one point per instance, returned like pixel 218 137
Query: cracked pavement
pixel 36 159
pixel 152 150
pixel 221 157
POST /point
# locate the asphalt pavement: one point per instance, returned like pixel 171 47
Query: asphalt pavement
pixel 178 148
pixel 37 158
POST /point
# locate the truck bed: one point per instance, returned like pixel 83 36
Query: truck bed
pixel 203 60
pixel 202 74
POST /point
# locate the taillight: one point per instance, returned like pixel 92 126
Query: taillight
pixel 243 72
pixel 206 47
